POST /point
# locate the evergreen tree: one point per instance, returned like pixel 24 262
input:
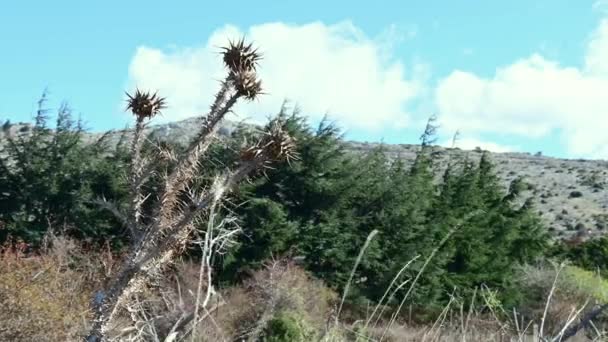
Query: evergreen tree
pixel 409 228
pixel 326 204
pixel 302 198
pixel 48 179
pixel 486 249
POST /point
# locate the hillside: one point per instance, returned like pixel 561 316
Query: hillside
pixel 568 193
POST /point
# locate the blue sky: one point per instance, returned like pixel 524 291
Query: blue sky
pixel 510 75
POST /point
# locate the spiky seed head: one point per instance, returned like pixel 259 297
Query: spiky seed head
pixel 281 145
pixel 238 56
pixel 275 145
pixel 165 152
pixel 144 104
pixel 246 83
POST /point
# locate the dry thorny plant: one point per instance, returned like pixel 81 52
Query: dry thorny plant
pixel 159 238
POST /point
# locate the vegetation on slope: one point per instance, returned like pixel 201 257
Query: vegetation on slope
pixel 433 246
pixel 320 209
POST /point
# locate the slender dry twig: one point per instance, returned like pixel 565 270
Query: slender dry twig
pixel 571 317
pixel 470 312
pixel 438 324
pixel 586 320
pixel 427 261
pixel 390 286
pixel 208 248
pixel 352 272
pixel 549 297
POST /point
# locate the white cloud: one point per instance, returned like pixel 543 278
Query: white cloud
pixel 331 69
pixel 600 5
pixel 534 97
pixel 337 69
pixel 596 59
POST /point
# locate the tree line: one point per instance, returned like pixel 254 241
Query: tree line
pixel 320 209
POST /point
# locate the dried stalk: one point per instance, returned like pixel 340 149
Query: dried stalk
pixel 584 322
pixel 352 272
pixel 136 175
pixel 548 303
pixel 144 106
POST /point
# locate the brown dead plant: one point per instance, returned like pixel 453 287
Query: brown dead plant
pixel 158 239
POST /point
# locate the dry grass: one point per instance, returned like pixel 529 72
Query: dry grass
pixel 243 313
pixel 235 314
pixel 45 297
pixel 571 289
pixel 279 287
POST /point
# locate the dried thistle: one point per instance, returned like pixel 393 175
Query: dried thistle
pixel 280 144
pixel 168 231
pixel 145 105
pixel 240 57
pixel 246 83
pixel 165 152
pixel 276 145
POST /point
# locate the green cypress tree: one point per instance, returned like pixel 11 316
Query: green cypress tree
pixel 300 204
pixel 46 182
pixel 486 250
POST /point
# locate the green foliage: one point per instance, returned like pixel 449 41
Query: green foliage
pixel 584 284
pixel 49 178
pixel 486 249
pixel 257 245
pixel 287 327
pixel 591 254
pixel 324 206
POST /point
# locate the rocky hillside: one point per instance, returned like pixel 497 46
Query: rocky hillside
pixel 569 194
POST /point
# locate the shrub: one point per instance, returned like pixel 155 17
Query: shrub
pixel 279 287
pixel 580 284
pixel 275 300
pixel 46 297
pixel 287 327
pixel 591 255
pixel 573 288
